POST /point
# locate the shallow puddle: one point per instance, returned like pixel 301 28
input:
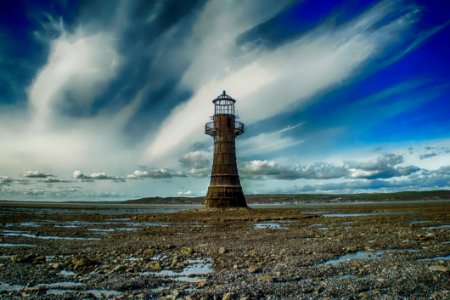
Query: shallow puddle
pixel 344 277
pixel 437 227
pixel 366 255
pixel 354 256
pixel 16 245
pixel 268 225
pixel 95 293
pixel 339 215
pixel 5 287
pixel 25 224
pixel 318 226
pixel 447 257
pixel 104 230
pixel 195 271
pixel 66 273
pixel 419 221
pixel 45 237
pixel 63 284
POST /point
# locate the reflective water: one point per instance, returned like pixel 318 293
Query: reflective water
pixel 44 237
pixel 437 227
pixel 62 284
pixel 268 225
pixel 16 245
pixel 343 215
pixel 447 257
pixel 5 287
pixel 319 226
pixel 99 294
pixel 419 221
pixel 112 209
pixel 195 271
pixel 366 255
pixel 66 273
pixel 355 256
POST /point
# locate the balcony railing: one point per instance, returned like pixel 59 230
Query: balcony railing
pixel 211 130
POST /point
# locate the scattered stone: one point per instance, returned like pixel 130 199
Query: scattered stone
pixel 83 262
pixel 175 293
pixel 55 266
pixel 265 278
pixel 32 289
pixel 363 295
pixel 437 295
pixel 149 252
pixel 119 268
pixel 186 251
pixel 438 268
pixel 27 258
pixel 350 249
pixel 369 249
pixel 253 269
pixel 222 250
pixel 226 296
pixel 38 259
pixel 154 266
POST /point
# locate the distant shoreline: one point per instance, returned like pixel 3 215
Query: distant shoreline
pixel 412 197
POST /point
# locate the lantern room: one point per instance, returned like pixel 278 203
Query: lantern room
pixel 224 105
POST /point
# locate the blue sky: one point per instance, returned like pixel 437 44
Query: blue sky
pixel 108 99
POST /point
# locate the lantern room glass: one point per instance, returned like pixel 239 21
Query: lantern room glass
pixel 224 105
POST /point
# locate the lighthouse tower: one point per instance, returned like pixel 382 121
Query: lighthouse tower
pixel 225 188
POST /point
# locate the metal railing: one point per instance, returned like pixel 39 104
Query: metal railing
pixel 211 130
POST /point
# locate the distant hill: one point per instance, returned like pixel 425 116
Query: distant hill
pixel 308 198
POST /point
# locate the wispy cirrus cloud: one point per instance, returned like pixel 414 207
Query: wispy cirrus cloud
pixel 325 57
pixel 268 142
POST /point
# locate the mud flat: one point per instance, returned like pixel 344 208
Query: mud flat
pixel 333 251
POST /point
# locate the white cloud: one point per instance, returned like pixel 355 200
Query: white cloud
pixel 155 173
pixel 95 176
pixel 80 65
pixel 197 162
pixel 385 166
pixel 281 80
pixel 186 193
pixel 259 169
pixel 36 174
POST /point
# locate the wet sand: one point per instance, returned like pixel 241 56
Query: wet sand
pixel 322 251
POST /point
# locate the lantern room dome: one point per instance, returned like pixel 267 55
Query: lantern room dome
pixel 224 98
pixel 224 104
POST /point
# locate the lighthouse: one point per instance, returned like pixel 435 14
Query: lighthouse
pixel 225 187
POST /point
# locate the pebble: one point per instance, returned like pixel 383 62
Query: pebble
pixel 226 296
pixel 438 268
pixel 253 269
pixel 186 251
pixel 149 252
pixel 154 266
pixel 265 278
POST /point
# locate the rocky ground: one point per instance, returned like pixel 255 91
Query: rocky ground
pixel 329 252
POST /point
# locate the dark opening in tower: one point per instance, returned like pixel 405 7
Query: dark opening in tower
pixel 225 187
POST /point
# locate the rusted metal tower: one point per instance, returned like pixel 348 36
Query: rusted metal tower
pixel 225 188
